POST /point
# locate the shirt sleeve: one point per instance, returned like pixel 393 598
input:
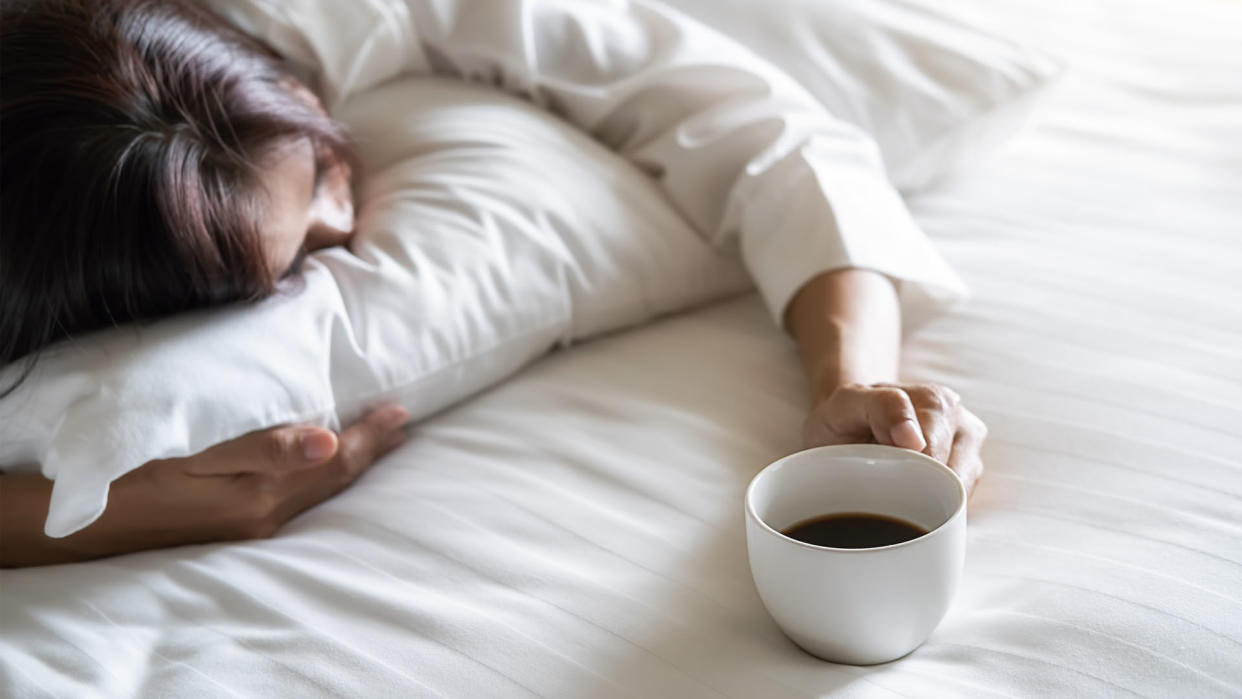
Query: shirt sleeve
pixel 754 162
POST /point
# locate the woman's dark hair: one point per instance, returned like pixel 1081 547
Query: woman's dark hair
pixel 131 133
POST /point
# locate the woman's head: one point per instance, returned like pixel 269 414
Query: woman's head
pixel 153 161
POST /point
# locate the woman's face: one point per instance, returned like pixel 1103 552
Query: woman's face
pixel 309 205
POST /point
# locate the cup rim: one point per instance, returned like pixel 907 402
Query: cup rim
pixel 887 450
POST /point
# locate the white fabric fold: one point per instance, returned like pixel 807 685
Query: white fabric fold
pixel 720 128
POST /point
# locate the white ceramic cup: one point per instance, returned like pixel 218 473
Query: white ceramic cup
pixel 857 606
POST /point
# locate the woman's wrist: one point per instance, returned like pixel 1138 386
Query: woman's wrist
pixel 836 362
pixel 130 523
pixel 24 499
pixel 847 324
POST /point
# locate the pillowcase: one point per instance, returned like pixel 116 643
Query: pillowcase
pixel 934 92
pixel 488 232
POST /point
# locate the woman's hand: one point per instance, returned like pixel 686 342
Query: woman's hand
pixel 245 488
pixel 923 417
pixel 847 323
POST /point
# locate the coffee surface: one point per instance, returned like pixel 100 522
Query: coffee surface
pixel 854 530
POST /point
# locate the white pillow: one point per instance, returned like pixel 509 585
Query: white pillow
pixel 489 231
pixel 931 90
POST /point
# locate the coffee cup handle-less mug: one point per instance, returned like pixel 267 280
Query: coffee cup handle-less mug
pixel 857 606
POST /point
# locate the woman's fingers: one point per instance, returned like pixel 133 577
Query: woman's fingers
pixel 893 419
pixel 293 447
pixel 248 487
pixel 966 459
pixel 274 450
pixel 922 417
pixel 361 445
pixel 937 408
pixel 882 412
pixel 858 413
pixel 370 438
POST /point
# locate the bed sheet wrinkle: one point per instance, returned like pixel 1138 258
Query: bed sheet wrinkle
pixel 1000 443
pixel 537 656
pixel 1150 489
pixel 648 500
pixel 586 609
pixel 517 606
pixel 1103 686
pixel 603 557
pixel 1166 402
pixel 268 623
pixel 1137 656
pixel 645 553
pixel 620 518
pixel 1192 335
pixel 1102 570
pixel 147 644
pixel 1122 423
pixel 62 670
pixel 1076 602
pixel 1122 450
pixel 391 566
pixel 381 654
pixel 1076 342
pixel 1221 519
pixel 1165 549
pixel 31 686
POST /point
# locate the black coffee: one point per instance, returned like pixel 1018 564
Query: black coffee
pixel 854 530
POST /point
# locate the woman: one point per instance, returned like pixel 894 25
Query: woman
pixel 157 160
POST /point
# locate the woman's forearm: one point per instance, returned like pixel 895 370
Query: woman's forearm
pixel 24 499
pixel 847 324
pixel 137 519
pixel 245 488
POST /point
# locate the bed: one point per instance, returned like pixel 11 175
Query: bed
pixel 577 531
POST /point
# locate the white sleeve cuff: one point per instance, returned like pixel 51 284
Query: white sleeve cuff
pixel 828 216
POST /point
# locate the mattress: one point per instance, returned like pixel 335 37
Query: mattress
pixel 577 531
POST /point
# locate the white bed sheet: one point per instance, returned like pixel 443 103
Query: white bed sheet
pixel 578 532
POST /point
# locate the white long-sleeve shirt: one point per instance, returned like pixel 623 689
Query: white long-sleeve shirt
pixel 746 155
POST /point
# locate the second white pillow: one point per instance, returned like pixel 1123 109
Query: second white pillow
pixel 932 91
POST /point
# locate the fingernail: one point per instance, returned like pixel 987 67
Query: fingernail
pixel 907 434
pixel 391 417
pixel 317 444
